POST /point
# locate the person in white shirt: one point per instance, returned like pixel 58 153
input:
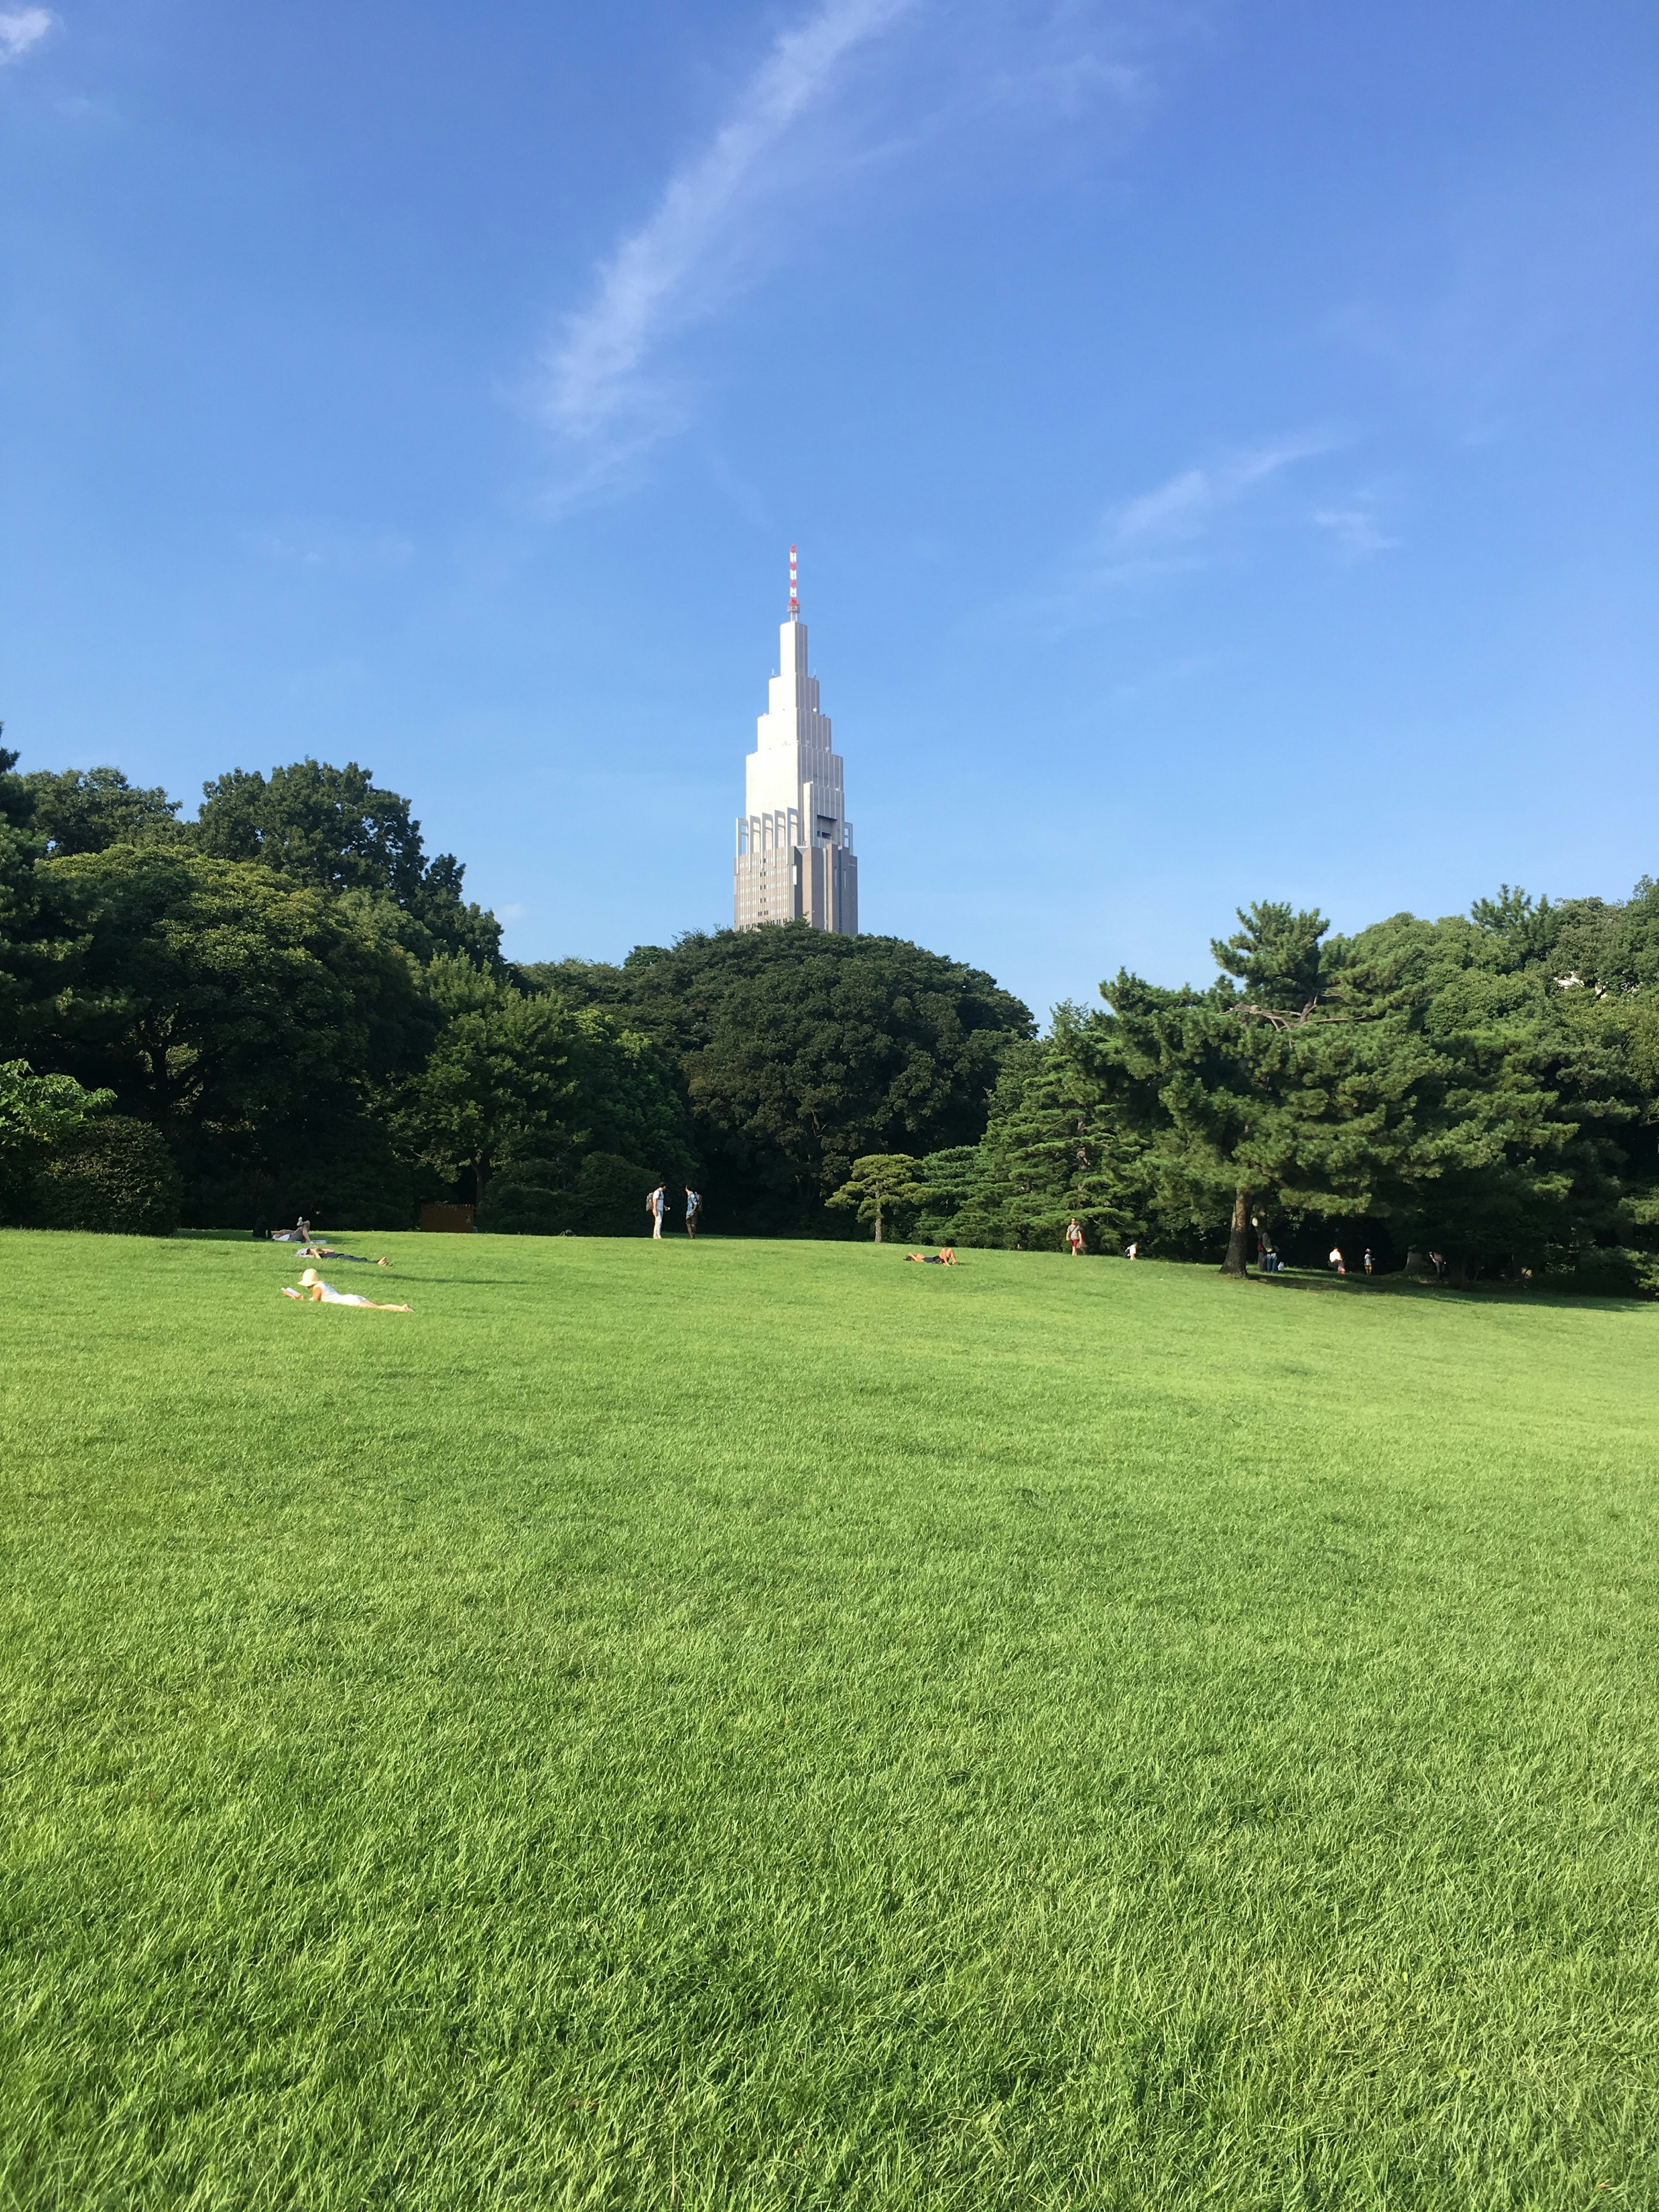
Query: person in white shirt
pixel 656 1206
pixel 313 1287
pixel 1337 1259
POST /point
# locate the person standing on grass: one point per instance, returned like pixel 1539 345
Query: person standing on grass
pixel 1336 1260
pixel 1074 1236
pixel 692 1208
pixel 656 1206
pixel 1369 1269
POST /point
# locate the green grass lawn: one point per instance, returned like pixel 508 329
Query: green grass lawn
pixel 764 1724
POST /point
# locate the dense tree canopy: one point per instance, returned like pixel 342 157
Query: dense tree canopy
pixel 90 810
pixel 801 1053
pixel 335 829
pixel 1450 1085
pixel 283 1005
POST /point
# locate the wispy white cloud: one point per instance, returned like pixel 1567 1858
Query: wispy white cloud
pixel 1164 532
pixel 21 29
pixel 813 124
pixel 1185 505
pixel 679 266
pixel 1354 531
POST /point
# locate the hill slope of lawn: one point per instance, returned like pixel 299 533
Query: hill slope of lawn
pixel 770 1725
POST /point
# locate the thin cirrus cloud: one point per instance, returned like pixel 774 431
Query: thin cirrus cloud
pixel 1162 534
pixel 22 29
pixel 1165 531
pixel 717 229
pixel 1354 531
pixel 678 268
pixel 1186 505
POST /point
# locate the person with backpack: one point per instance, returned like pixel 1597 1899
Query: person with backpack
pixel 692 1208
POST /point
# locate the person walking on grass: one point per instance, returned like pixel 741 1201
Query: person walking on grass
pixel 1337 1260
pixel 1074 1236
pixel 1369 1268
pixel 1132 1251
pixel 656 1206
pixel 692 1208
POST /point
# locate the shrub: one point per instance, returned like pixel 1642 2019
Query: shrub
pixel 605 1198
pixel 114 1174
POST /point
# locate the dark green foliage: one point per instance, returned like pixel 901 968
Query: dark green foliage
pixel 304 1008
pixel 38 1114
pixel 335 829
pixel 627 1101
pixel 598 1195
pixel 88 809
pixel 1488 1088
pixel 884 1187
pixel 608 1198
pixel 34 935
pixel 496 1080
pixel 114 1174
pixel 212 994
pixel 801 1053
pixel 954 1179
pixel 1277 954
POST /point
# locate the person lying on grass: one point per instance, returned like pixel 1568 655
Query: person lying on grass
pixel 320 1250
pixel 945 1257
pixel 312 1286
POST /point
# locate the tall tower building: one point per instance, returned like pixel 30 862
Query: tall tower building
pixel 794 860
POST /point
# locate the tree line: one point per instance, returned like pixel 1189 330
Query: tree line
pixel 1486 1086
pixel 285 1005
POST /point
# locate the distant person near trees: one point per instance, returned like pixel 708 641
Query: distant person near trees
pixel 1369 1268
pixel 1074 1236
pixel 1337 1260
pixel 692 1208
pixel 656 1206
pixel 1132 1251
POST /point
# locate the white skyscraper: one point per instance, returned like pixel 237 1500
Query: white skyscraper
pixel 795 859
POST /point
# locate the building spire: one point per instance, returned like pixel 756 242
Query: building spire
pixel 794 596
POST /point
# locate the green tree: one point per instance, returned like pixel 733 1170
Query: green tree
pixel 497 1080
pixel 882 1183
pixel 112 1174
pixel 208 991
pixel 800 1053
pixel 37 1112
pixel 35 937
pixel 335 828
pixel 90 810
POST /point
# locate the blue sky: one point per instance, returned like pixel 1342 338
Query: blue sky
pixel 1219 438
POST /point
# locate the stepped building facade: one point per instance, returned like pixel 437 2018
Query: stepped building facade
pixel 794 857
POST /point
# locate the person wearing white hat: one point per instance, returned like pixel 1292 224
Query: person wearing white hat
pixel 313 1287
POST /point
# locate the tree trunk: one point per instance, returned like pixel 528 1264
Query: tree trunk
pixel 877 1221
pixel 1237 1262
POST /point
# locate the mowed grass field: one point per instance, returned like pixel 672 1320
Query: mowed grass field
pixel 765 1724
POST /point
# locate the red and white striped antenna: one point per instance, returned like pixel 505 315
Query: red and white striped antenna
pixel 794 596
